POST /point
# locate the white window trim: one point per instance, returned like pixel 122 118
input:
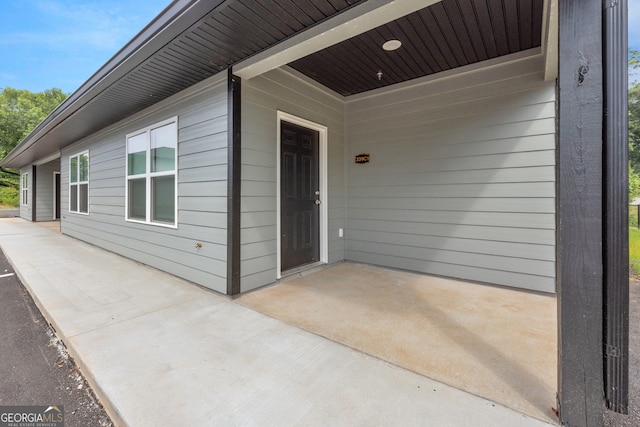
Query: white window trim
pixel 148 175
pixel 24 189
pixel 79 182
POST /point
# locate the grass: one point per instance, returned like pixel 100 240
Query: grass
pixel 634 249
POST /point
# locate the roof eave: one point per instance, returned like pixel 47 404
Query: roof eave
pixel 172 21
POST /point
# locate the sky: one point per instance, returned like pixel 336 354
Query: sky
pixel 61 43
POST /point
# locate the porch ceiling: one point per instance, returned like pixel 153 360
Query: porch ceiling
pixel 445 35
pixel 192 40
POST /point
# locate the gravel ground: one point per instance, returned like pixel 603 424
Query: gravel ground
pixel 36 368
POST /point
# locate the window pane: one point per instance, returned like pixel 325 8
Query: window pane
pixel 73 169
pixel 84 198
pixel 84 167
pixel 137 154
pixel 73 198
pixel 137 199
pixel 163 148
pixel 163 199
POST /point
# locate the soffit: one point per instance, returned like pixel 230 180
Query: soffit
pixel 191 41
pixel 195 39
pixel 443 36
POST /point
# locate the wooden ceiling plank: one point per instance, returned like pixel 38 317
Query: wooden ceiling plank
pixel 308 7
pixel 459 28
pixel 449 36
pixel 402 58
pixel 526 16
pixel 282 14
pixel 414 46
pixel 241 29
pixel 379 61
pixel 416 27
pixel 499 30
pixel 219 35
pixel 263 18
pixel 324 6
pixel 294 10
pixel 339 4
pixel 473 28
pixel 217 56
pixel 512 24
pixel 483 17
pixel 536 26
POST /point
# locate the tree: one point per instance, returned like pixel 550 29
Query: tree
pixel 20 112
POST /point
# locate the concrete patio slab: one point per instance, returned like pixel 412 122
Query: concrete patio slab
pixel 161 351
pixel 491 341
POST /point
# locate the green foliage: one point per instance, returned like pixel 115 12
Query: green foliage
pixel 634 249
pixel 20 112
pixel 634 126
pixel 9 196
pixel 634 59
pixel 634 184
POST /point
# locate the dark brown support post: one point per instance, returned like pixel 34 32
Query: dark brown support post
pixel 579 213
pixel 616 230
pixel 34 213
pixel 233 184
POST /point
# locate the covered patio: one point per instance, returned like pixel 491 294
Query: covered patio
pixel 495 342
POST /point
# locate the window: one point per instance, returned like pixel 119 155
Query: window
pixel 151 174
pixel 79 183
pixel 24 189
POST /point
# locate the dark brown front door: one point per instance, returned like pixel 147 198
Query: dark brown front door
pixel 299 196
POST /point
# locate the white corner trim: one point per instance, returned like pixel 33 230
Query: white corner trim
pixel 550 39
pixel 345 25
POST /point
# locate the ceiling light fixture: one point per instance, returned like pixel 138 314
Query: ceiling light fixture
pixel 390 45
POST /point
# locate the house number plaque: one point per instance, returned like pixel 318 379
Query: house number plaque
pixel 363 158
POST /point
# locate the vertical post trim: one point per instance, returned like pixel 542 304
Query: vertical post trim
pixel 579 214
pixel 233 183
pixel 616 209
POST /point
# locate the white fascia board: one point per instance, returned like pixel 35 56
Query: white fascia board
pixel 550 39
pixel 48 159
pixel 350 23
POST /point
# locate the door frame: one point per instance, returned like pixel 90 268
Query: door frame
pixel 322 161
pixel 56 195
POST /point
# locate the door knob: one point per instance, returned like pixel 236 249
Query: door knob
pixel 317 202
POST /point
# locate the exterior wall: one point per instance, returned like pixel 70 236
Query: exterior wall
pixel 25 210
pixel 44 190
pixel 461 181
pixel 202 189
pixel 262 97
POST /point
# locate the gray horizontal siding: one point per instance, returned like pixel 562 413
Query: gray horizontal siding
pixel 461 181
pixel 262 97
pixel 202 189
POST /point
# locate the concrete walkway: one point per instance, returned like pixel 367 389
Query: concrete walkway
pixel 160 351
